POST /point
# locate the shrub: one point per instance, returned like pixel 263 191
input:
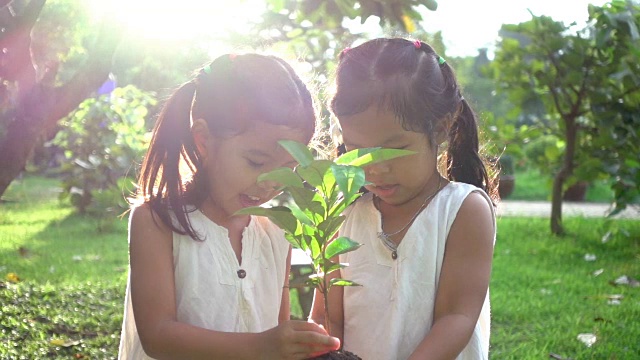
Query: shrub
pixel 102 139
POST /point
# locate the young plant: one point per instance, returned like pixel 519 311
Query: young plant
pixel 320 190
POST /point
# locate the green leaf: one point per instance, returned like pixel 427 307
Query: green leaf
pixel 300 215
pixel 330 266
pixel 316 254
pixel 314 281
pixel 309 202
pixel 279 215
pixel 283 175
pixel 338 207
pixel 342 282
pixel 331 225
pixel 314 173
pixel 277 5
pixel 299 151
pixel 349 179
pixel 293 240
pixel 350 156
pixel 431 4
pixel 370 156
pixel 339 246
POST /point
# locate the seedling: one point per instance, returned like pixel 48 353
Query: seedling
pixel 320 190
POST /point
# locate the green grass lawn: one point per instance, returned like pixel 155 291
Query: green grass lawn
pixel 531 185
pixel 544 293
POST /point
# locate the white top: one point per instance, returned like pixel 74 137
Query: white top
pixel 209 290
pixel 391 313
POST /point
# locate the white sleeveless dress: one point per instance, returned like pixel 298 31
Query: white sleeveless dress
pixel 213 291
pixel 391 313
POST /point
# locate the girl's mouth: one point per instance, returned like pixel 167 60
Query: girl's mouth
pixel 384 191
pixel 249 200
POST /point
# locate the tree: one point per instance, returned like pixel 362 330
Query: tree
pixel 39 84
pixel 589 83
pixel 32 102
pixel 315 30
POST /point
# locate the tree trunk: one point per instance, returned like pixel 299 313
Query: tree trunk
pixel 38 107
pixel 556 203
pixel 562 175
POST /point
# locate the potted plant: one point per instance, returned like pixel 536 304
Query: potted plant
pixel 576 192
pixel 507 179
pixel 320 190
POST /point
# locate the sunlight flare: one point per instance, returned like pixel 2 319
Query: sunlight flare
pixel 179 20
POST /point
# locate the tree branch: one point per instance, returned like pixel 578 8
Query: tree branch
pixel 16 65
pixel 89 77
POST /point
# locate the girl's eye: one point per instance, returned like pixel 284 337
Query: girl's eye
pixel 254 164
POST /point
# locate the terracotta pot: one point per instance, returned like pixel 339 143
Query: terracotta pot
pixel 506 185
pixel 576 192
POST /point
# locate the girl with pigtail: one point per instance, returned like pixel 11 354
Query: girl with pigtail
pixel 205 283
pixel 428 236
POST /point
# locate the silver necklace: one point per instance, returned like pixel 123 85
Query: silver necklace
pixel 386 237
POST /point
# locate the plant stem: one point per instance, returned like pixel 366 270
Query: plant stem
pixel 325 295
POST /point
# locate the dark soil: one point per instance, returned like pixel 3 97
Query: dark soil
pixel 338 355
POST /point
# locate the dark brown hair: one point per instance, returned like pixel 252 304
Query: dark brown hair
pixel 230 94
pixel 420 88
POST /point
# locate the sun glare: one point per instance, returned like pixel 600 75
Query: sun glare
pixel 179 20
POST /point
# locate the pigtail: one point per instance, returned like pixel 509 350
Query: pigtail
pixel 464 163
pixel 463 160
pixel 161 183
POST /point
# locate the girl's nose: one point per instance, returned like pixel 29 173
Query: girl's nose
pixel 377 169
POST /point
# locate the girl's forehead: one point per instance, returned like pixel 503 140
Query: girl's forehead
pixel 265 137
pixel 372 122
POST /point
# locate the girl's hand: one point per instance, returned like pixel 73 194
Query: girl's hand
pixel 297 340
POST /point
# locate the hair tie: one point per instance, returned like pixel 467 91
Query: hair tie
pixel 206 70
pixel 417 44
pixel 232 57
pixel 441 60
pixel 345 50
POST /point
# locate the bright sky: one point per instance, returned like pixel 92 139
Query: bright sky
pixel 467 25
pixel 177 20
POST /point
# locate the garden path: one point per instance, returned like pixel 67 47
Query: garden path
pixel 543 209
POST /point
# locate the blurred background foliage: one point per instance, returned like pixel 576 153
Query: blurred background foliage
pixel 558 100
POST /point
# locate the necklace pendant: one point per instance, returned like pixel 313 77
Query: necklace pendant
pixel 394 254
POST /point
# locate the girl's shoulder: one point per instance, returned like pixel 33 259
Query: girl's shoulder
pixel 146 228
pixel 455 197
pixel 459 192
pixel 143 216
pixel 463 189
pixel 470 205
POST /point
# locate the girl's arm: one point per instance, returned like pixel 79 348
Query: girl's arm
pixel 336 312
pixel 154 306
pixel 464 281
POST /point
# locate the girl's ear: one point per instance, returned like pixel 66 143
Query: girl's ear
pixel 442 130
pixel 201 136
